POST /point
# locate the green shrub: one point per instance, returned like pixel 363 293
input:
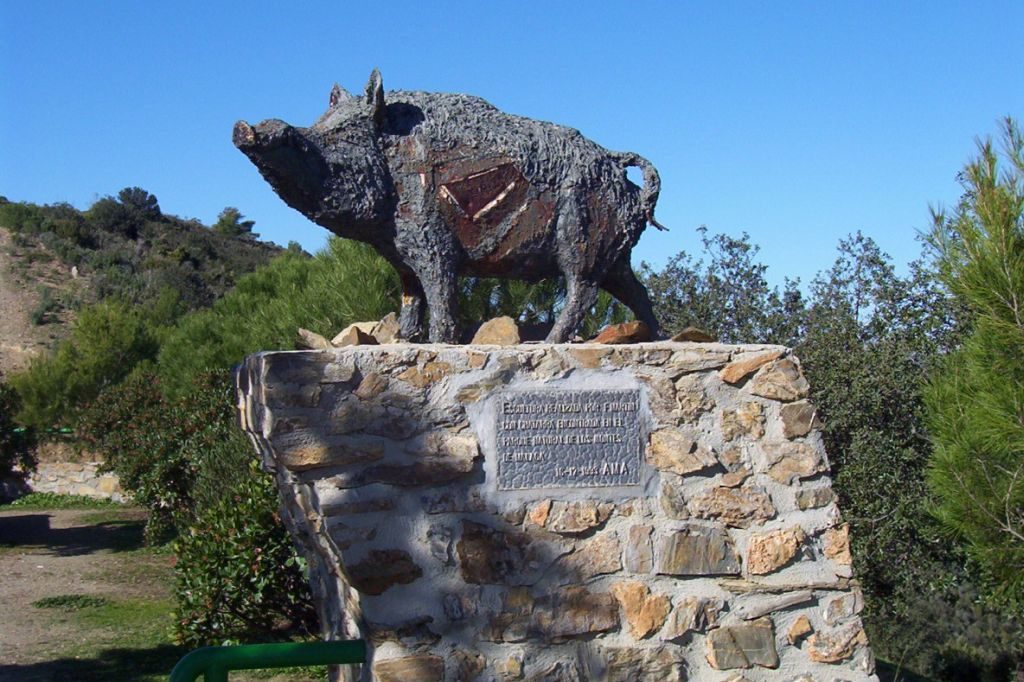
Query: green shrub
pixel 238 576
pixel 725 293
pixel 158 447
pixel 867 338
pixel 40 313
pixel 531 304
pixel 21 217
pixel 186 460
pixel 140 201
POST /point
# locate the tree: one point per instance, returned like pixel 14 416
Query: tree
pixel 727 295
pixel 871 336
pixel 140 201
pixel 190 465
pixel 112 216
pixel 976 404
pixel 230 223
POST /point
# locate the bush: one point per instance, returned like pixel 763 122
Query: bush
pixel 140 201
pixel 164 450
pixel 21 217
pixel 238 576
pixel 534 304
pixel 40 314
pixel 867 338
pixel 188 463
pixel 111 216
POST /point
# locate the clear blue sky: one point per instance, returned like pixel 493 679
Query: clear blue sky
pixel 796 122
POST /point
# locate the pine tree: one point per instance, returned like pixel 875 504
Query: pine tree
pixel 231 223
pixel 976 404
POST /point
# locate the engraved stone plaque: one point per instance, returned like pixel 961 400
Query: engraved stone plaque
pixel 568 439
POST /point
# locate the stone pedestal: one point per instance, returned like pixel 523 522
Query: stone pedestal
pixel 657 511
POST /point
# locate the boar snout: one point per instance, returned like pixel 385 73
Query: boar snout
pixel 266 135
pixel 243 136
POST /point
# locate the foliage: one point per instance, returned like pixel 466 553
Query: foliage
pixel 238 575
pixel 347 282
pixel 107 340
pixel 47 305
pixel 156 446
pixel 15 442
pixel 976 404
pixel 19 217
pixel 111 216
pixel 140 201
pixel 188 463
pixel 727 296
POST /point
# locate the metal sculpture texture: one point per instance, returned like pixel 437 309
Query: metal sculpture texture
pixel 444 185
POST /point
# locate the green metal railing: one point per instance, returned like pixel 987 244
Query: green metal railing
pixel 214 662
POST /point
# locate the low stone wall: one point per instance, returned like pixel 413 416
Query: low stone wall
pixel 655 511
pixel 75 478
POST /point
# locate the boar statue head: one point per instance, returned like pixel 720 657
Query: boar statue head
pixel 333 172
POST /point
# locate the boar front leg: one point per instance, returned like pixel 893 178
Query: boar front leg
pixel 410 319
pixel 439 285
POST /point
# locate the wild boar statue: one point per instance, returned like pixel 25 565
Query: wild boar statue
pixel 443 185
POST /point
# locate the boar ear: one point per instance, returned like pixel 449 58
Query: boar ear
pixel 338 94
pixel 375 96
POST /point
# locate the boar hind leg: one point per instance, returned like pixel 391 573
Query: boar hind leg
pixel 580 296
pixel 621 282
pixel 410 320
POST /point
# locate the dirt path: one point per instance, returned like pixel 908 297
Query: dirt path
pixel 81 555
pixel 54 553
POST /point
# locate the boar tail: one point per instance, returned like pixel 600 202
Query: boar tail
pixel 652 184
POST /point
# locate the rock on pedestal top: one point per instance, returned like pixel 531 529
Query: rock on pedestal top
pixel 544 511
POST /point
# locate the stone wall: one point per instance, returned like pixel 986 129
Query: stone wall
pixel 75 478
pixel 723 557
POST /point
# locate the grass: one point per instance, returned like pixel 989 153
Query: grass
pixel 122 639
pixel 70 602
pixel 43 501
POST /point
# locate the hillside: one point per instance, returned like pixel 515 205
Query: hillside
pixel 54 259
pixel 21 284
